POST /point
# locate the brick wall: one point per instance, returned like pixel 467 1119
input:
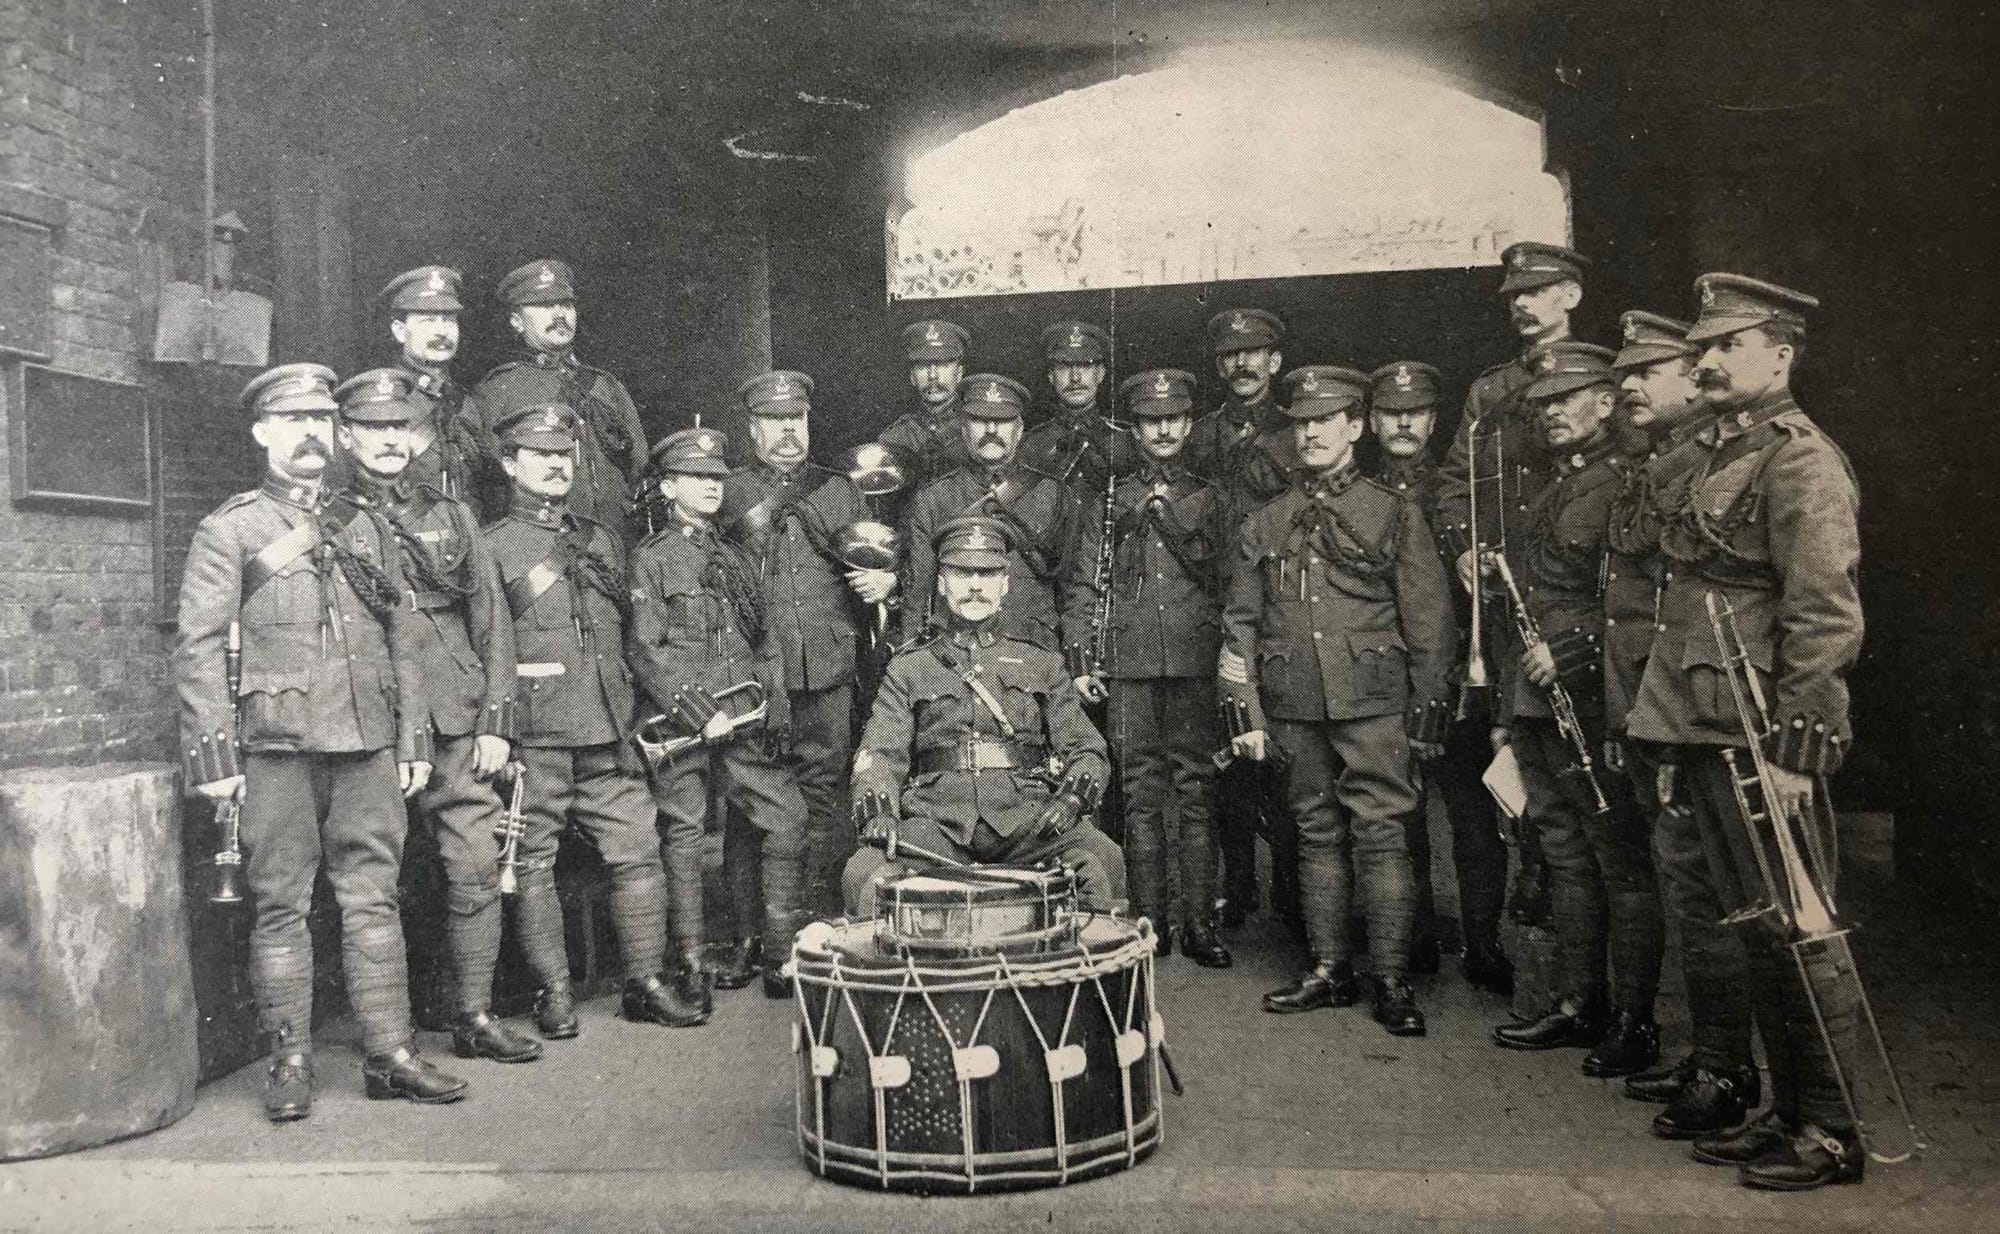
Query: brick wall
pixel 82 673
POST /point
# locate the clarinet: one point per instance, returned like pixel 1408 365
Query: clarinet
pixel 1560 702
pixel 1100 614
pixel 229 813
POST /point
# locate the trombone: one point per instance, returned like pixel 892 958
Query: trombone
pixel 1475 680
pixel 1798 892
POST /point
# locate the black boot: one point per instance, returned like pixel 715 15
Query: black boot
pixel 1755 1140
pixel 776 984
pixel 1488 968
pixel 1231 911
pixel 555 1012
pixel 1163 936
pixel 1200 944
pixel 1811 1157
pixel 1424 952
pixel 1660 1084
pixel 694 984
pixel 1631 1042
pixel 401 1073
pixel 741 963
pixel 1574 1023
pixel 1710 1103
pixel 288 1088
pixel 649 1000
pixel 1326 984
pixel 479 1035
pixel 1396 1008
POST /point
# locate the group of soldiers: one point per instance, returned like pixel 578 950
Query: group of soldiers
pixel 466 597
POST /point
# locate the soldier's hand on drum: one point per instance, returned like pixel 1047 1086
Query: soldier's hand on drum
pixel 1540 665
pixel 872 586
pixel 221 790
pixel 414 775
pixel 1795 790
pixel 1092 688
pixel 1253 745
pixel 489 755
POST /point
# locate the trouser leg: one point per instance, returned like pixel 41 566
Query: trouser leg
pixel 1237 808
pixel 1094 857
pixel 1184 716
pixel 463 809
pixel 1376 791
pixel 538 916
pixel 363 842
pixel 281 851
pixel 1558 805
pixel 1325 883
pixel 821 749
pixel 1478 855
pixel 762 789
pixel 1622 842
pixel 680 793
pixel 1690 849
pixel 614 809
pixel 1138 745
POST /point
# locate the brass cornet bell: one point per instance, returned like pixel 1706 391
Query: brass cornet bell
pixel 229 855
pixel 658 746
pixel 876 469
pixel 868 545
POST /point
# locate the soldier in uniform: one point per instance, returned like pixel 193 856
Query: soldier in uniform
pixel 309 739
pixel 1765 522
pixel 977 748
pixel 928 438
pixel 1710 1089
pixel 1337 636
pixel 541 301
pixel 565 583
pixel 1073 442
pixel 1601 877
pixel 1042 518
pixel 701 625
pixel 444 439
pixel 785 513
pixel 1172 533
pixel 1245 445
pixel 463 644
pixel 1542 286
pixel 1402 412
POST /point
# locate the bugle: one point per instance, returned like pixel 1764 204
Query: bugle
pixel 659 747
pixel 1798 889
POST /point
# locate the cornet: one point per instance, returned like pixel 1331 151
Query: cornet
pixel 1798 894
pixel 660 748
pixel 512 825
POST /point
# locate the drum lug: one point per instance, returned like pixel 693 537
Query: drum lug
pixel 975 1062
pixel 1065 1063
pixel 1131 1047
pixel 888 1071
pixel 825 1061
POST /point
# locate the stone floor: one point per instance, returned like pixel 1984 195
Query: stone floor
pixel 1305 1122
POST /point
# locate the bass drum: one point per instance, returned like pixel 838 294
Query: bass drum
pixel 978 1072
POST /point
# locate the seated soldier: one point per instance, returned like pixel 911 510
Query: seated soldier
pixel 977 749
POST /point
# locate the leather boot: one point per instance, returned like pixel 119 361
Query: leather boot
pixel 776 984
pixel 649 1000
pixel 1810 1157
pixel 1488 968
pixel 1232 911
pixel 1572 1024
pixel 695 984
pixel 1200 944
pixel 1632 1041
pixel 401 1073
pixel 288 1088
pixel 1710 1103
pixel 1755 1140
pixel 741 962
pixel 1396 1008
pixel 1659 1084
pixel 479 1035
pixel 1326 984
pixel 555 1012
pixel 1163 937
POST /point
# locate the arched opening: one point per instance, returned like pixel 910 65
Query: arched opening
pixel 1273 161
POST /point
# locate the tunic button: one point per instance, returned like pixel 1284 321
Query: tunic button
pixel 1661 628
pixel 1317 636
pixel 1610 621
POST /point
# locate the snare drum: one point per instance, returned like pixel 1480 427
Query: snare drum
pixel 980 1072
pixel 983 908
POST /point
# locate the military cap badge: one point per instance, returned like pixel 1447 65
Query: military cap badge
pixel 1162 386
pixel 1310 382
pixel 385 385
pixel 705 442
pixel 931 333
pixel 435 282
pixel 979 540
pixel 546 277
pixel 1076 336
pixel 1403 377
pixel 1239 323
pixel 783 386
pixel 1708 293
pixel 993 394
pixel 1631 331
pixel 1547 363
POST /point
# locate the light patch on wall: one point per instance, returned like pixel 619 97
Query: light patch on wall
pixel 1258 162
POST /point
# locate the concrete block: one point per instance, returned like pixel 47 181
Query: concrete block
pixel 97 1013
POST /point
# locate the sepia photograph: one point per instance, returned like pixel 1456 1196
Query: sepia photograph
pixel 1105 615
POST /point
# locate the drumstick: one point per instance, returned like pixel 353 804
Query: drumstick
pixel 923 854
pixel 1173 1076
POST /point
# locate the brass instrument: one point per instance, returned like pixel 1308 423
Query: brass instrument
pixel 1798 894
pixel 660 749
pixel 229 813
pixel 878 470
pixel 1476 680
pixel 1560 703
pixel 512 825
pixel 1100 613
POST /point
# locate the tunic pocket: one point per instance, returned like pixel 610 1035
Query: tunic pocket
pixel 1381 668
pixel 275 707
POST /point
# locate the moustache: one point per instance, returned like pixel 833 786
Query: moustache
pixel 392 452
pixel 309 447
pixel 988 439
pixel 1712 381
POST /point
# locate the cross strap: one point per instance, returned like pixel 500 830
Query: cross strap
pixel 278 554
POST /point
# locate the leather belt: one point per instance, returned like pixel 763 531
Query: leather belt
pixel 984 754
pixel 430 601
